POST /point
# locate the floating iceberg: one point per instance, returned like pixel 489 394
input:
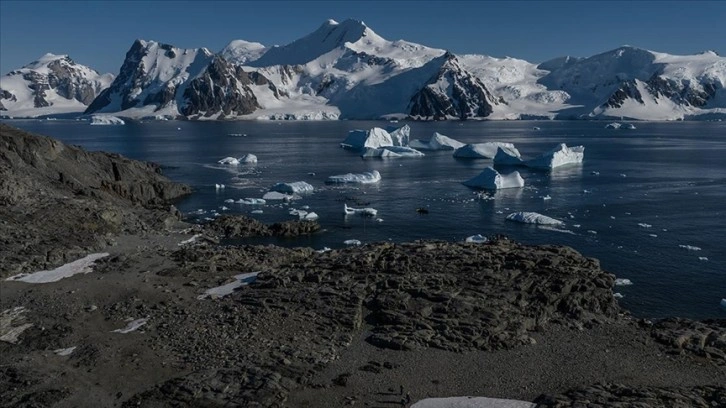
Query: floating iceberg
pixel 360 139
pixel 391 151
pixel 99 120
pixel 83 265
pixel 352 242
pixel 304 215
pixel 477 239
pixel 614 125
pixel 623 282
pixel 629 126
pixel 437 142
pixel 219 186
pixel 231 161
pixel 533 218
pixel 559 156
pixel 248 159
pixel 490 179
pixel 371 212
pixel 251 201
pixel 484 150
pixel 399 136
pixel 507 157
pixel 690 247
pixel 369 177
pixel 274 195
pixel 297 187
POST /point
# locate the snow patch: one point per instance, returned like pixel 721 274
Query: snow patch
pixel 83 265
pixel 240 280
pixel 132 326
pixel 12 324
pixel 471 402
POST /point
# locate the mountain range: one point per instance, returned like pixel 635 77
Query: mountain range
pixel 347 71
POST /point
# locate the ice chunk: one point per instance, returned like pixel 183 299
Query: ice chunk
pixel 484 150
pixel 702 258
pixel 256 212
pixel 83 265
pixel 477 239
pixel 533 218
pixel 472 402
pixel 623 282
pixel 629 126
pixel 274 195
pixel 219 186
pixel 559 156
pixel 360 139
pixel 224 290
pixel 101 120
pixel 248 159
pixel 690 247
pixel 371 212
pixel 644 225
pixel 131 326
pixel 391 151
pixel 368 177
pixel 352 242
pixel 399 136
pixel 436 142
pixel 490 179
pixel 618 295
pixel 304 215
pixel 297 187
pixel 251 201
pixel 507 157
pixel 614 125
pixel 723 303
pixel 229 201
pixel 231 161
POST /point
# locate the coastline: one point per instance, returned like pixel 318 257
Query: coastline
pixel 500 320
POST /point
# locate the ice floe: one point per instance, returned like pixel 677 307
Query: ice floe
pixel 12 324
pixel 304 215
pixel 352 242
pixel 476 239
pixel 614 125
pixel 277 196
pixel 83 265
pixel 231 161
pixel 132 326
pixel 690 247
pixel 106 120
pixel 472 402
pixel 723 303
pixel 490 179
pixel 702 258
pixel 561 155
pixel 297 187
pixel 248 159
pixel 251 201
pixel 436 142
pixel 219 186
pixel 226 289
pixel 370 212
pixel 507 157
pixel 368 177
pixel 618 295
pixel 644 225
pixel 623 282
pixel 391 152
pixel 485 150
pixel 533 218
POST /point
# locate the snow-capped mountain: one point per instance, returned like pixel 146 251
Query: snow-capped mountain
pixel 51 85
pixel 346 70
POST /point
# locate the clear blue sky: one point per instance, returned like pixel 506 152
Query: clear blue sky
pixel 98 33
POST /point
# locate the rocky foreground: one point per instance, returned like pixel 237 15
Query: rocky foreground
pixel 379 325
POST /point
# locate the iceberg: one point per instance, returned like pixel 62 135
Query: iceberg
pixel 623 282
pixel 391 151
pixel 614 125
pixel 533 218
pixel 723 303
pixel 400 136
pixel 490 179
pixel 297 187
pixel 360 139
pixel 274 195
pixel 231 161
pixel 369 177
pixel 371 212
pixel 352 242
pixel 477 239
pixel 629 126
pixel 484 150
pixel 304 215
pixel 506 157
pixel 251 201
pixel 105 120
pixel 559 156
pixel 437 142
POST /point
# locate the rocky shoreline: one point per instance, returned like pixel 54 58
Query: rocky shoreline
pixel 378 325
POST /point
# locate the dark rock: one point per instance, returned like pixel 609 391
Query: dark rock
pixel 609 395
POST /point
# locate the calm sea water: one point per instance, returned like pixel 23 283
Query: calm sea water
pixel 668 177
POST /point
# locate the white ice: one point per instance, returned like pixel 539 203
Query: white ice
pixel 471 402
pixel 368 177
pixel 436 142
pixel 477 239
pixel 131 326
pixel 248 159
pixel 371 212
pixel 484 150
pixel 623 282
pixel 65 351
pixel 219 186
pixel 490 179
pixel 352 242
pixel 232 161
pixel 251 201
pixel 507 157
pixel 644 225
pixel 83 265
pixel 618 295
pixel 224 290
pixel 532 218
pixel 374 137
pixel 559 156
pixel 304 215
pixel 391 152
pixel 274 195
pixel 100 120
pixel 613 125
pixel 297 187
pixel 690 247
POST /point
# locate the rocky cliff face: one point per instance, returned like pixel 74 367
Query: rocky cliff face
pixel 453 93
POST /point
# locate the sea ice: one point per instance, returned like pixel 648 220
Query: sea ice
pixel 391 151
pixel 304 215
pixel 248 159
pixel 224 290
pixel 82 265
pixel 614 125
pixel 623 282
pixel 559 156
pixel 231 161
pixel 251 201
pixel 274 195
pixel 104 120
pixel 352 242
pixel 644 225
pixel 702 258
pixel 256 212
pixel 477 239
pixel 297 187
pixel 471 402
pixel 484 150
pixel 533 218
pixel 436 142
pixel 371 212
pixel 618 295
pixel 131 326
pixel 368 177
pixel 490 179
pixel 690 247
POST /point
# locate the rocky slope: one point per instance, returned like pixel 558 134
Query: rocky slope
pixel 57 201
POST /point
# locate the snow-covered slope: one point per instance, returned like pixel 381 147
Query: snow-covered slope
pixel 53 84
pixel 240 51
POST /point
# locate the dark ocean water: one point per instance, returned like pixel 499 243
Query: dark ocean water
pixel 670 176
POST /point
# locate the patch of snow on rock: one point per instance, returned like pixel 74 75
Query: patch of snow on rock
pixel 83 265
pixel 472 402
pixel 227 289
pixel 131 326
